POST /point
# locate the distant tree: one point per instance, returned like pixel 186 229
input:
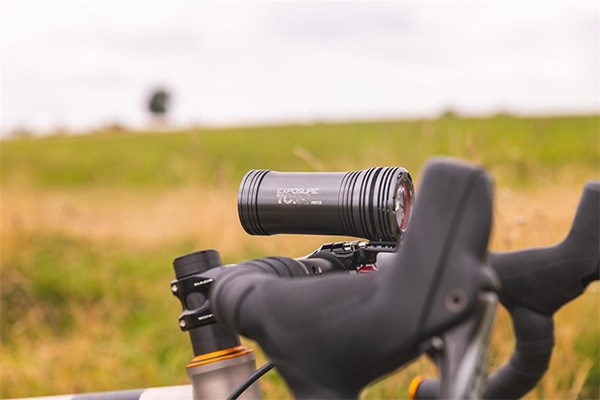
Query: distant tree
pixel 449 113
pixel 21 132
pixel 158 103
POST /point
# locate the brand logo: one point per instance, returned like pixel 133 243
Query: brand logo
pixel 297 195
pixel 204 282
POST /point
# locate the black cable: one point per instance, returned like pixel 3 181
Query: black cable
pixel 250 380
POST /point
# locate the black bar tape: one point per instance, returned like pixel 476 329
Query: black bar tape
pixel 545 279
pixel 242 275
pixel 534 335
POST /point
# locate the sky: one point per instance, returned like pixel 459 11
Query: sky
pixel 81 65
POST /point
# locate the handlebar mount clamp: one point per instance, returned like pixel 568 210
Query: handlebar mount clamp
pixel 192 291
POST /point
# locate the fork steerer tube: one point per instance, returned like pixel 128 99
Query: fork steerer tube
pixel 211 338
pixel 220 363
pixel 191 288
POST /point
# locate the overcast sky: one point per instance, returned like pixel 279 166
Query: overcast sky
pixel 85 64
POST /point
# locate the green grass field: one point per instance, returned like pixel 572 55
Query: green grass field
pixel 90 225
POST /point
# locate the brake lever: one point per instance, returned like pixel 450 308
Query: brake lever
pixel 535 340
pixel 461 353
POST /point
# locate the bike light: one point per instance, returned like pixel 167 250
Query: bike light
pixel 374 203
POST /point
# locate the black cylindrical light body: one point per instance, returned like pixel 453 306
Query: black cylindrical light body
pixel 374 203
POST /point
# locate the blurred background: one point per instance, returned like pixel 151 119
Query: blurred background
pixel 127 126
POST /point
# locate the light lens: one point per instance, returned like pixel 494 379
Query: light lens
pixel 404 201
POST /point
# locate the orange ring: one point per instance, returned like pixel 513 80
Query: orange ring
pixel 220 355
pixel 414 386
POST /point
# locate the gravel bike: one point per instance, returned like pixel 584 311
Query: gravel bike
pixel 350 312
